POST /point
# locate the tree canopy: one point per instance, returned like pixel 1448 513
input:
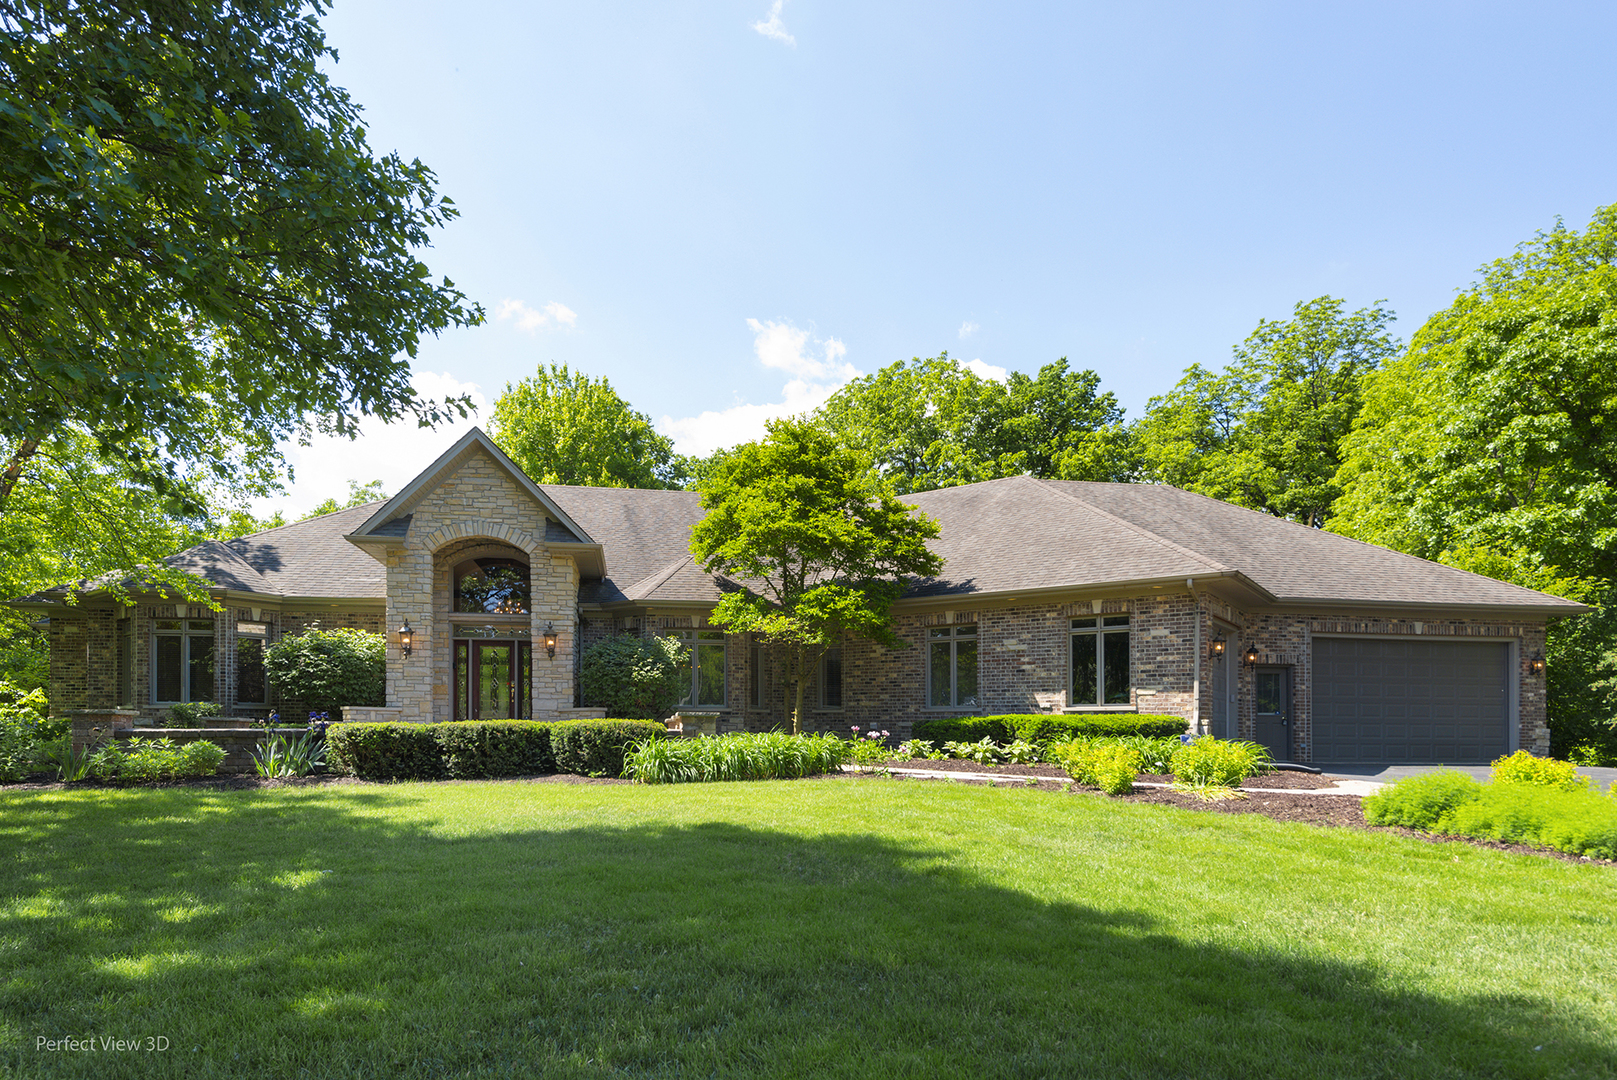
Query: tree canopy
pixel 1265 433
pixel 817 546
pixel 200 250
pixel 567 428
pixel 1490 446
pixel 934 423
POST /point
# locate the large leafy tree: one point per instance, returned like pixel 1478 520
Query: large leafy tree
pixel 198 250
pixel 934 423
pixel 1491 445
pixel 1265 432
pixel 819 548
pixel 564 427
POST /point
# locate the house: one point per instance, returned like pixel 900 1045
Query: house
pixel 1054 597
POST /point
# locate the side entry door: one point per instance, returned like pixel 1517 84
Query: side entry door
pixel 1271 688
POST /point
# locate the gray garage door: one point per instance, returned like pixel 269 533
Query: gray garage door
pixel 1380 700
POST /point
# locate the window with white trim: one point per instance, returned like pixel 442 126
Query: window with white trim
pixel 951 661
pixel 1100 660
pixel 182 660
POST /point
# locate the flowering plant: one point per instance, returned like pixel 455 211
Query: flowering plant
pixel 869 749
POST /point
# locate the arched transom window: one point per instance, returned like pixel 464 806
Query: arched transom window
pixel 492 587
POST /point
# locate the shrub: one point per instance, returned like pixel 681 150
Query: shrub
pixel 385 751
pixel 1576 820
pixel 191 713
pixel 1104 763
pixel 1523 768
pixel 919 748
pixel 327 669
pixel 1419 802
pixel 1046 727
pixel 482 749
pixel 151 761
pixel 23 731
pixel 772 755
pixel 1210 762
pixel 635 678
pixel 598 747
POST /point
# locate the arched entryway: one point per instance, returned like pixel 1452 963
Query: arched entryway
pixel 491 629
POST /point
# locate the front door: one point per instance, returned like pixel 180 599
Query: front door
pixel 1271 691
pixel 493 680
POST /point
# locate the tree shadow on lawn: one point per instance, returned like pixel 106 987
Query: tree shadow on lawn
pixel 267 934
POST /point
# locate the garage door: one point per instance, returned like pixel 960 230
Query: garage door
pixel 1379 700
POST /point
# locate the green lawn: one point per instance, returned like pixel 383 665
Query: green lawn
pixel 811 928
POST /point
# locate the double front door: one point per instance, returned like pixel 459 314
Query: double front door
pixel 493 680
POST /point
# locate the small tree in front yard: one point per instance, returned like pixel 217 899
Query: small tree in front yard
pixel 818 547
pixel 326 669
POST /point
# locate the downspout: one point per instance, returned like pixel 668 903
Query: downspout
pixel 1196 660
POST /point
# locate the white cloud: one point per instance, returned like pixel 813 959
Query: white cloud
pixel 526 318
pixel 392 453
pixel 987 371
pixel 772 27
pixel 967 329
pixel 781 346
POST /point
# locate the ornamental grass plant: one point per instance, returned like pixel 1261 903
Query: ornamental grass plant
pixel 769 755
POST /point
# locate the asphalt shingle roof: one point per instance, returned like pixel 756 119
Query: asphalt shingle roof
pixel 998 537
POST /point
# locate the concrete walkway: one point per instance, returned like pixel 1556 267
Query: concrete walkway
pixel 1387 774
pixel 1342 787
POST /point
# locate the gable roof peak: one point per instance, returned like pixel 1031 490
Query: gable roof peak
pixel 433 474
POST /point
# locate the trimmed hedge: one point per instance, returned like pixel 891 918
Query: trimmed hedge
pixel 385 751
pixel 1046 727
pixel 461 750
pixel 598 747
pixel 481 749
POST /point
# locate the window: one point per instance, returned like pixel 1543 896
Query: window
pixel 951 656
pixel 182 660
pixel 831 679
pixel 1100 660
pixel 755 676
pixel 251 638
pixel 705 665
pixel 492 587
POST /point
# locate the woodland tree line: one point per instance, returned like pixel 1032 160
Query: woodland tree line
pixel 201 257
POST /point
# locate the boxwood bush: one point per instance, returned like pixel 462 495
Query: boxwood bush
pixel 1046 727
pixel 481 749
pixel 598 747
pixel 385 751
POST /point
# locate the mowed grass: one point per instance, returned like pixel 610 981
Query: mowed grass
pixel 799 928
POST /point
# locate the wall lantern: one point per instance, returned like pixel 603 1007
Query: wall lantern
pixel 1218 644
pixel 1251 656
pixel 404 637
pixel 550 640
pixel 1536 664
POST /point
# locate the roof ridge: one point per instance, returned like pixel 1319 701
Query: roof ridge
pixel 1140 529
pixel 661 577
pixel 1383 548
pixel 300 521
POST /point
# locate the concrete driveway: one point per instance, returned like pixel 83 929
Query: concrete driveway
pixel 1387 774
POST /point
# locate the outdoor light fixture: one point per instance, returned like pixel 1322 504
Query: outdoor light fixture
pixel 1537 664
pixel 404 637
pixel 550 640
pixel 1251 656
pixel 1218 644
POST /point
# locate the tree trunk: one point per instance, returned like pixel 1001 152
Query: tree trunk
pixel 797 708
pixel 19 458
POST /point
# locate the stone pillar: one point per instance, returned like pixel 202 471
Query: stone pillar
pixel 90 725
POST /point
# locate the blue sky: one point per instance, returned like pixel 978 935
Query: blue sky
pixel 728 208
